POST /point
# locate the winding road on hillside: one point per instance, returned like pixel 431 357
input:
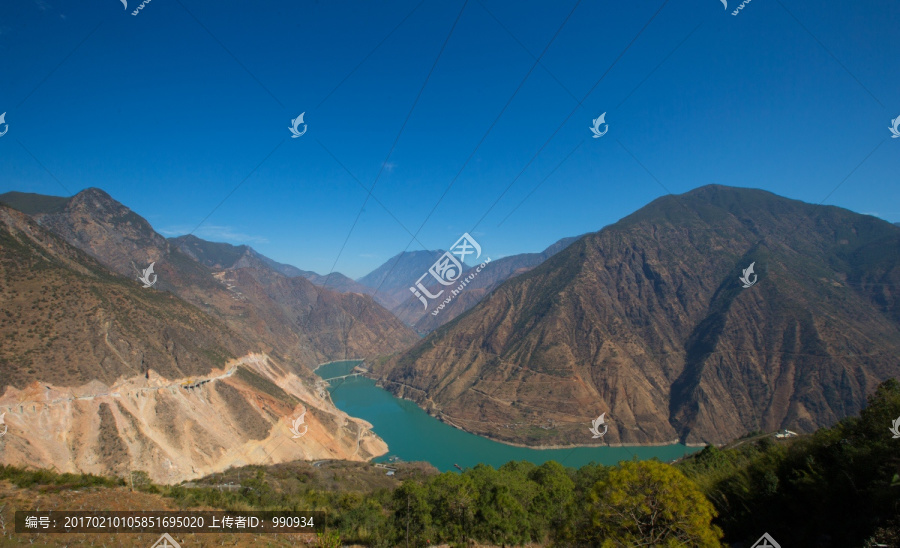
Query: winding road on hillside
pixel 192 383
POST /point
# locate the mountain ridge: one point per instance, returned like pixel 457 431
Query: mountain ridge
pixel 296 320
pixel 105 376
pixel 642 319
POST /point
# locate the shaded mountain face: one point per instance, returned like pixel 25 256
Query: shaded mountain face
pixel 288 317
pixel 424 320
pixel 222 256
pixel 648 322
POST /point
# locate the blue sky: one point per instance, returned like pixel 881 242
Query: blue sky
pixel 170 110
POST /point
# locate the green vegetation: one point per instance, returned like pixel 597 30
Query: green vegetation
pixel 837 487
pixel 516 504
pixel 648 500
pixel 46 478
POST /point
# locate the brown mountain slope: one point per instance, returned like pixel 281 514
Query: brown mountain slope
pixel 221 256
pixel 647 321
pixel 98 374
pixel 61 306
pixel 294 320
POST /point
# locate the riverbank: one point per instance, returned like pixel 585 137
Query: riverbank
pixel 443 419
pixel 414 435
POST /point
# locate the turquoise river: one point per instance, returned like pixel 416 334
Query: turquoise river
pixel 413 435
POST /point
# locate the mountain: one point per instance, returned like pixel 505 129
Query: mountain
pixel 76 311
pixel 337 282
pixel 222 256
pixel 424 320
pixel 647 322
pixel 294 321
pixel 29 203
pixel 102 375
pixel 393 279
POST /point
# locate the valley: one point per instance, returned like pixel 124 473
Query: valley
pixel 412 435
pixel 485 274
pixel 638 322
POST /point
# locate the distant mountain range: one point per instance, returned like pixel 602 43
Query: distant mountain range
pixel 648 322
pixel 414 313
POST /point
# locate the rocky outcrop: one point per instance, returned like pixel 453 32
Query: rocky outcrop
pixel 180 429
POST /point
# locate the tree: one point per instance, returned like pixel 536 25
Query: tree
pixel 650 504
pixel 412 514
pixel 552 506
pixel 452 497
pixel 504 497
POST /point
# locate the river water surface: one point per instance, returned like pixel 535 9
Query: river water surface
pixel 413 435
